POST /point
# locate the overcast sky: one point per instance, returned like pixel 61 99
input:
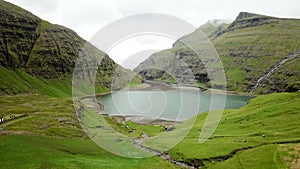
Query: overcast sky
pixel 89 16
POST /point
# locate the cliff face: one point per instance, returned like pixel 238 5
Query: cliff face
pixel 39 47
pixel 18 33
pixel 245 20
pixel 45 50
pixel 249 48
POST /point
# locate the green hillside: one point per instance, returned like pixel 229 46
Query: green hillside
pixel 50 136
pixel 37 56
pixel 263 134
pixel 46 133
pixel 41 128
pixel 249 48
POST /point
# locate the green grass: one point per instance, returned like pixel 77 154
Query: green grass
pixel 20 82
pixel 145 129
pixel 167 79
pixel 247 53
pixel 134 84
pixel 202 85
pixel 291 154
pixel 24 151
pixel 264 157
pixel 45 116
pixel 44 25
pixel 51 137
pixel 268 119
pixel 254 50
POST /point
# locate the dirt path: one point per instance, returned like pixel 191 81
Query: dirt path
pixel 14 121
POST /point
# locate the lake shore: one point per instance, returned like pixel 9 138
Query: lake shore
pixel 148 86
pixel 164 86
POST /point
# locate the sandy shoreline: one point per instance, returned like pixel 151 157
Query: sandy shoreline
pixel 144 120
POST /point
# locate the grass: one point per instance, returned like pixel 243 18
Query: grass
pixel 246 54
pixel 290 154
pixel 45 115
pixel 133 129
pixel 253 50
pixel 201 85
pixel 23 151
pixel 51 137
pixel 19 82
pixel 266 120
pixel 44 24
pixel 167 79
pixel 266 131
pixel 145 129
pixel 265 157
pixel 134 84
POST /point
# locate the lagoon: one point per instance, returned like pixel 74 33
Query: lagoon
pixel 168 103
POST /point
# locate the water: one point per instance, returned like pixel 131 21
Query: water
pixel 171 105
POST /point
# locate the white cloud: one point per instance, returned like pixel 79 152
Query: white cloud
pixel 138 48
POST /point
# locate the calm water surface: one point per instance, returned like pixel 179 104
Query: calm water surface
pixel 169 103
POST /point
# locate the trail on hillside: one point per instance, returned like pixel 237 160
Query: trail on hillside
pixel 14 121
pixel 273 69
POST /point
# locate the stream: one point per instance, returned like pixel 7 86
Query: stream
pixel 273 69
pixel 165 156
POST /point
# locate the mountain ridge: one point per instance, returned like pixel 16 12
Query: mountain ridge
pixel 248 47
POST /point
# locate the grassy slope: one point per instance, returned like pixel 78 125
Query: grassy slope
pixel 248 52
pixel 51 137
pixel 16 82
pixel 22 151
pixel 264 122
pixel 19 82
pixel 265 157
pixel 257 48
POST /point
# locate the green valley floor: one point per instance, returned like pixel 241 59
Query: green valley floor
pixel 44 132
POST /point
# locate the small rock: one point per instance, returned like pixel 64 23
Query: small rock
pixel 144 135
pixel 119 140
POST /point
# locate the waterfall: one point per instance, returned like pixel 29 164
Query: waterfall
pixel 273 69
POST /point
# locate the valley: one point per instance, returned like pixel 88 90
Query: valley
pixel 146 118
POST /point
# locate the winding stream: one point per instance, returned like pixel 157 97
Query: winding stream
pixel 165 156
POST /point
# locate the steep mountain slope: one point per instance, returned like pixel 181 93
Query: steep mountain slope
pixel 249 48
pixel 31 48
